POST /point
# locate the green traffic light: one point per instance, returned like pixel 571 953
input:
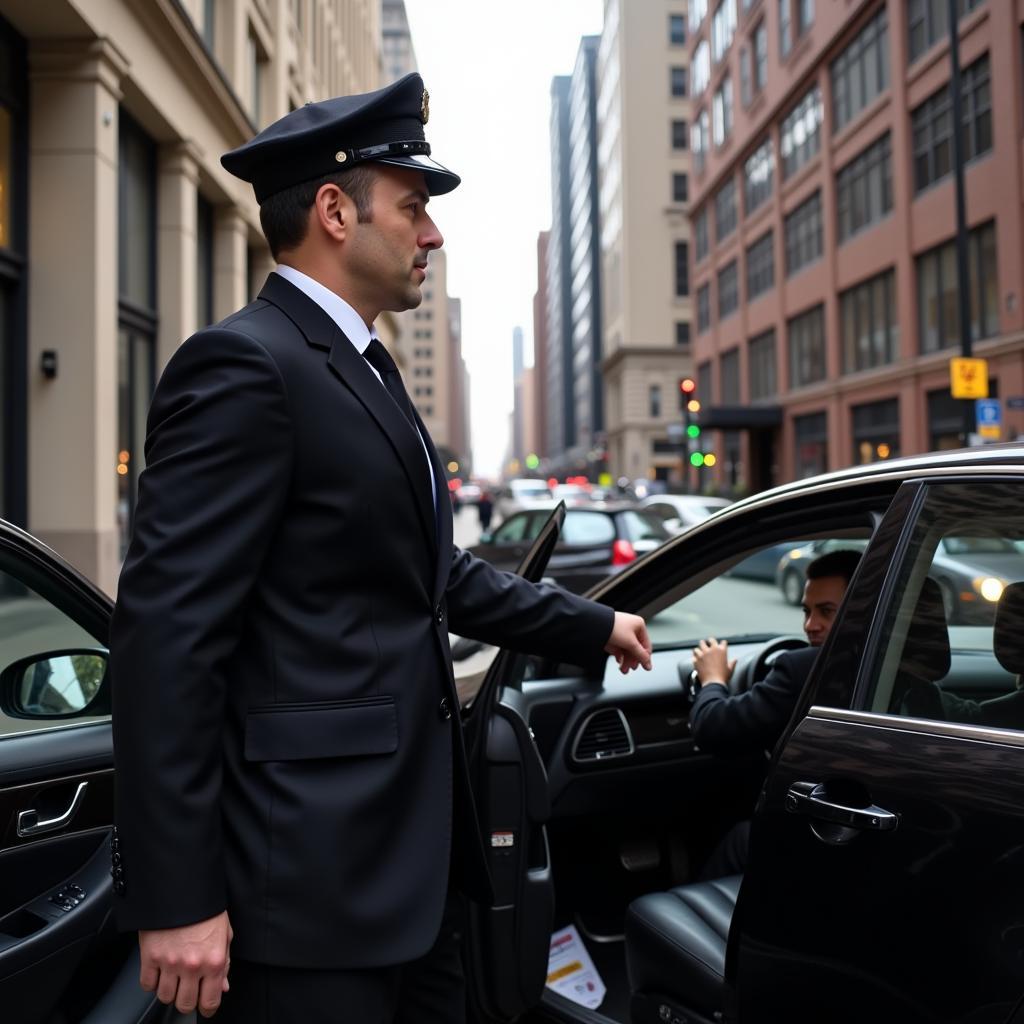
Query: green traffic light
pixel 697 459
pixel 693 430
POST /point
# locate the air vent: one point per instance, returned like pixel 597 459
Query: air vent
pixel 603 736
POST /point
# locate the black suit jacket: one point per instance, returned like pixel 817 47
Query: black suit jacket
pixel 752 721
pixel 279 653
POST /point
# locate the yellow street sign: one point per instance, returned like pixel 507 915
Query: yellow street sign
pixel 968 378
pixel 987 431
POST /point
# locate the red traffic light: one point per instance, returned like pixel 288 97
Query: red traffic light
pixel 687 385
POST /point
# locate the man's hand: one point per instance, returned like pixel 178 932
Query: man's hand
pixel 629 643
pixel 188 966
pixel 711 660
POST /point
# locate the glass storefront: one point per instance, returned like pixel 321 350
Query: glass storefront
pixel 811 435
pixel 876 431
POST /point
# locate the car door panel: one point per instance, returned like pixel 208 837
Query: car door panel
pixel 840 916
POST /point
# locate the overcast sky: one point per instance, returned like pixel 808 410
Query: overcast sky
pixel 488 67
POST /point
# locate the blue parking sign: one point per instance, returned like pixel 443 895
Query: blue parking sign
pixel 988 412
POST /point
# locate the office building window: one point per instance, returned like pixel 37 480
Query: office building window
pixel 258 62
pixel 931 126
pixel 723 27
pixel 761 367
pixel 704 381
pixel 760 56
pixel 876 431
pixel 682 269
pixel 729 368
pixel 728 290
pixel 209 24
pixel 927 23
pixel 677 81
pixel 760 267
pixel 861 71
pixel 700 234
pixel 680 188
pixel 807 347
pixel 803 235
pixel 785 36
pixel 938 318
pixel 676 29
pixel 864 189
pixel 700 68
pixel 758 175
pixel 722 110
pixel 946 417
pixel 698 10
pixel 703 308
pixel 746 90
pixel 801 132
pixel 868 324
pixel 680 131
pixel 725 210
pixel 654 401
pixel 804 15
pixel 700 140
pixel 811 439
pixel 683 334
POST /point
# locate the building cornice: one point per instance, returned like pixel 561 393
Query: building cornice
pixel 625 352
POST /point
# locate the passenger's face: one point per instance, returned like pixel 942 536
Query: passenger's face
pixel 822 598
pixel 387 256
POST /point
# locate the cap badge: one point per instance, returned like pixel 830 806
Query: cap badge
pixel 341 156
pixel 425 107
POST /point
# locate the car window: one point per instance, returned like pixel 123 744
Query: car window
pixel 513 530
pixel 663 510
pixel 952 643
pixel 583 528
pixel 531 490
pixel 747 599
pixel 642 525
pixel 30 625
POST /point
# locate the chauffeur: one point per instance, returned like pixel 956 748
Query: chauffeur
pixel 292 792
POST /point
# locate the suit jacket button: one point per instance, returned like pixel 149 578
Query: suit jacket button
pixel 439 614
pixel 444 710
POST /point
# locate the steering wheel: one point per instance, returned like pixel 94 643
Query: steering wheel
pixel 754 670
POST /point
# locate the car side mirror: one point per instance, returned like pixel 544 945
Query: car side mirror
pixel 57 685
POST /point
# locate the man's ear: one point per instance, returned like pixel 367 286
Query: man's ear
pixel 333 212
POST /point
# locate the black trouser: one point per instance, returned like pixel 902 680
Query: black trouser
pixel 431 990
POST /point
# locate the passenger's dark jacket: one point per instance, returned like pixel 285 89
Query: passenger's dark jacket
pixel 752 721
pixel 279 653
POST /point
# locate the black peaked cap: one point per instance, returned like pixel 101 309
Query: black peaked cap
pixel 385 126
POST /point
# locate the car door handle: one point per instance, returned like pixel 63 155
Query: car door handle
pixel 810 800
pixel 29 823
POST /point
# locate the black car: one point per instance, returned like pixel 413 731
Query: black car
pixel 596 541
pixel 884 880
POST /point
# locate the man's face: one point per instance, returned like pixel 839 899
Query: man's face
pixel 822 598
pixel 386 257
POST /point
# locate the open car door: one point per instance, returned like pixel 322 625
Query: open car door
pixel 507 943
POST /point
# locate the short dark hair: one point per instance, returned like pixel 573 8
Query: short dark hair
pixel 834 563
pixel 284 216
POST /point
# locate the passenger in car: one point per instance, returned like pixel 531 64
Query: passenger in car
pixel 745 723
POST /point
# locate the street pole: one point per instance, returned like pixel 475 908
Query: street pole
pixel 962 276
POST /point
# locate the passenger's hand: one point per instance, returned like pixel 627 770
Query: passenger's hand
pixel 711 660
pixel 629 643
pixel 188 966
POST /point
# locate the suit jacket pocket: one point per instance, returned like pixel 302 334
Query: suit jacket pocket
pixel 328 729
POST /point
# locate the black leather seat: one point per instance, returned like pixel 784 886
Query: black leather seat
pixel 675 950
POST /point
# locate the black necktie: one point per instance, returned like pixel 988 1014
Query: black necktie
pixel 380 359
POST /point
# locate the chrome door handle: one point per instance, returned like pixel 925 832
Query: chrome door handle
pixel 812 802
pixel 30 825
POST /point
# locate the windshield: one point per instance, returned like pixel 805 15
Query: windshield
pixel 978 546
pixel 538 490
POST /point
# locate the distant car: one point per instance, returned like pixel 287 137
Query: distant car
pixel 520 494
pixel 763 565
pixel 971 572
pixel 571 494
pixel 681 511
pixel 596 541
pixel 469 493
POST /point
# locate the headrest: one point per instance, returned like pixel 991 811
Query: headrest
pixel 1008 637
pixel 926 651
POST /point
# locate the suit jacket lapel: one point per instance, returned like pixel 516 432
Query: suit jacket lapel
pixel 354 372
pixel 444 515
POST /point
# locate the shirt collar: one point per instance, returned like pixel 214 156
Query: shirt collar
pixel 350 322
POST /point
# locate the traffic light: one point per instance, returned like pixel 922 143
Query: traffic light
pixel 690 405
